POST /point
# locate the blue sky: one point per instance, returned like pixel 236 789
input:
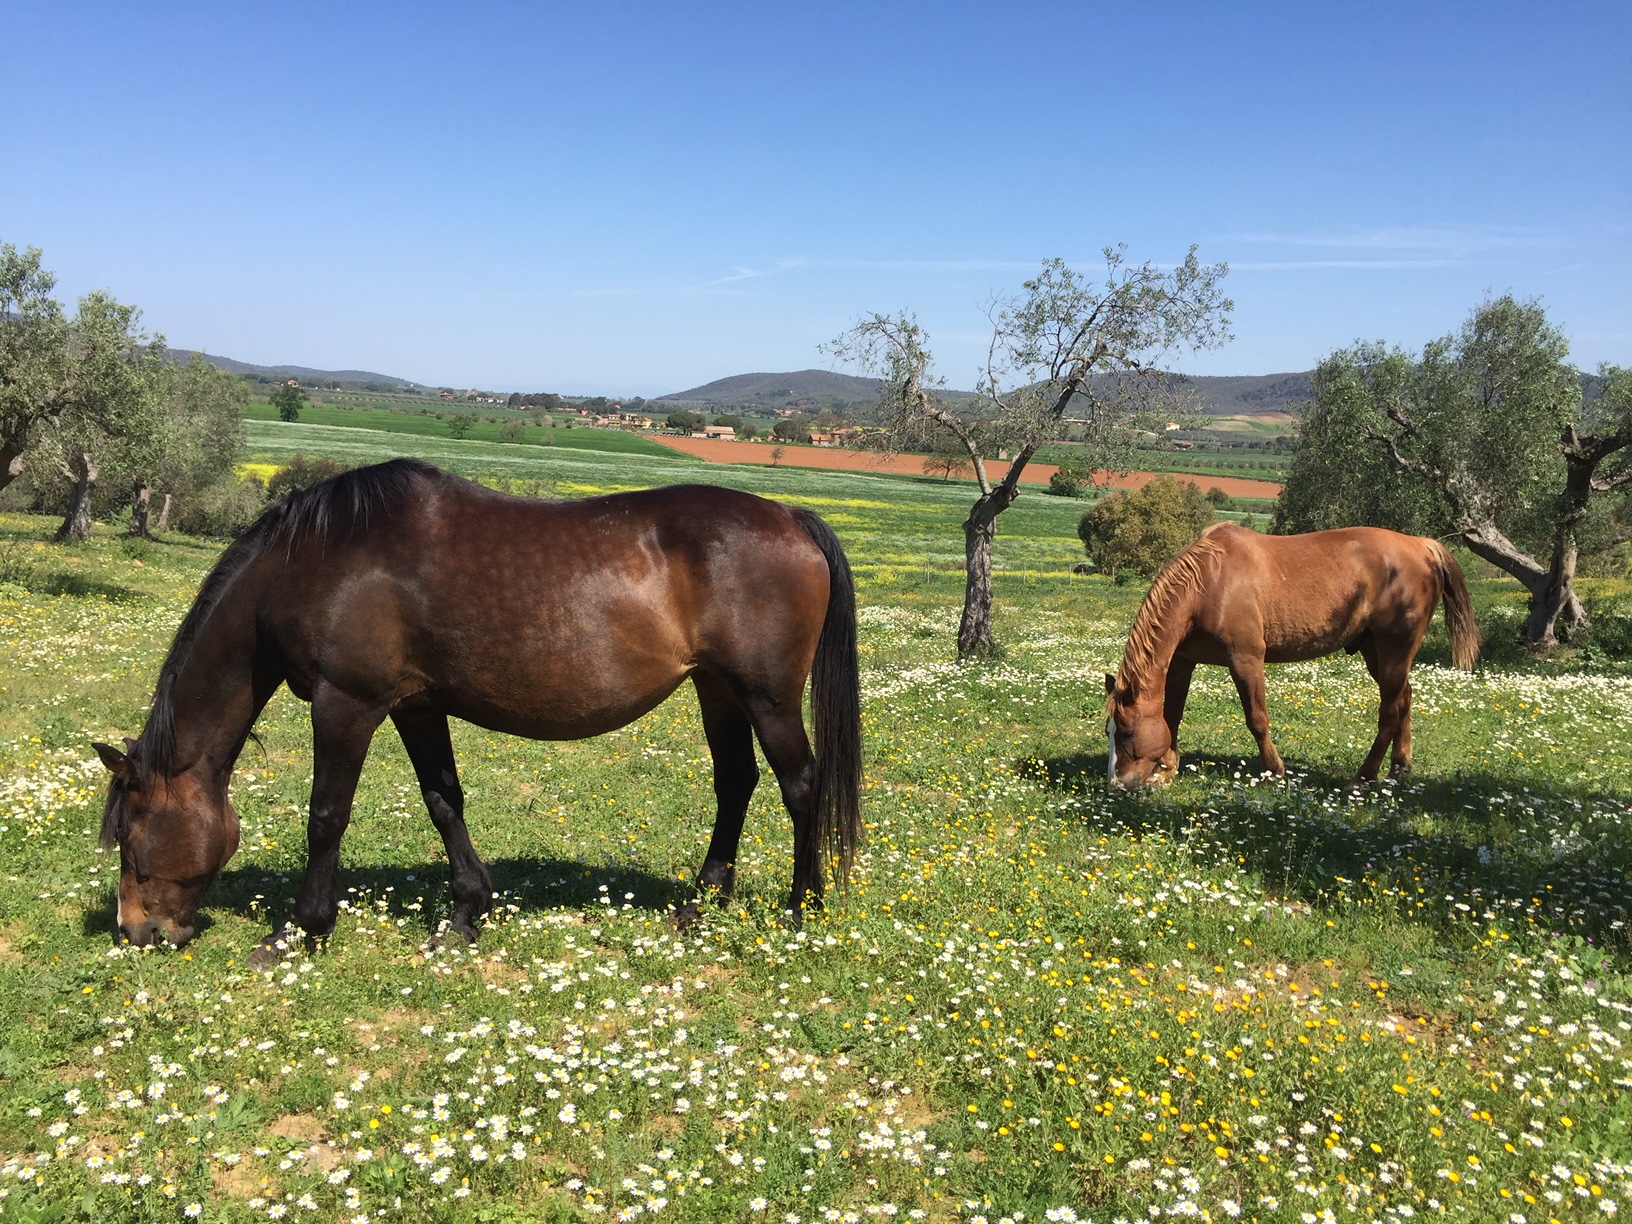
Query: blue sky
pixel 639 198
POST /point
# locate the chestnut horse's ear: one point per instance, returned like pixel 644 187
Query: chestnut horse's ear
pixel 1110 685
pixel 117 762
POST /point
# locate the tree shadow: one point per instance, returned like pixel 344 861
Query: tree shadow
pixel 1442 849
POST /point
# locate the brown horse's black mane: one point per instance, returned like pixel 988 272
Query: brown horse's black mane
pixel 331 509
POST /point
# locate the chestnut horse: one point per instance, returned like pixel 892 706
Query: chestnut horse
pixel 1239 600
pixel 399 591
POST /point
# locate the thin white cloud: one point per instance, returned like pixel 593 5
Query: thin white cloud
pixel 1454 240
pixel 1308 265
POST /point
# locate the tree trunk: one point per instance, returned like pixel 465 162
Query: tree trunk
pixel 979 530
pixel 1555 610
pixel 164 514
pixel 11 461
pixel 77 525
pixel 140 499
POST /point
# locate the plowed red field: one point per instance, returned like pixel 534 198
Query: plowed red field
pixel 715 451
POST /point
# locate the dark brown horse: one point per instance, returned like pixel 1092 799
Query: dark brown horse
pixel 401 592
pixel 1239 600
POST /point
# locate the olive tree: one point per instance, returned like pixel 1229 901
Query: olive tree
pixel 1485 436
pixel 1051 348
pixel 34 361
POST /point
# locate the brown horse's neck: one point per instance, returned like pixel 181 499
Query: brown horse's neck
pixel 213 686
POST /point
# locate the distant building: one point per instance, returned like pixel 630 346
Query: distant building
pixel 726 433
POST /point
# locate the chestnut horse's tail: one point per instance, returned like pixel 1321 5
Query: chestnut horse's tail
pixel 1459 618
pixel 835 707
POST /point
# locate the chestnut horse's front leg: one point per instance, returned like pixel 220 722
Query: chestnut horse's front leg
pixel 1248 674
pixel 1179 674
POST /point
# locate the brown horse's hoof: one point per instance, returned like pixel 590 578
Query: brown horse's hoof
pixel 269 953
pixel 687 916
pixel 1358 786
pixel 462 931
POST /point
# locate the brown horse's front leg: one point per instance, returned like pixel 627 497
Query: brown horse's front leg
pixel 342 729
pixel 1248 675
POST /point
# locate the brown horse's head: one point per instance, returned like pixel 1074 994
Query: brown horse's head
pixel 174 836
pixel 1141 745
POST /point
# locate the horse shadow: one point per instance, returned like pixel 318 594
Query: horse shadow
pixel 421 895
pixel 422 892
pixel 1315 839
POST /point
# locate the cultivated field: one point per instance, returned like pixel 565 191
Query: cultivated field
pixel 1039 1001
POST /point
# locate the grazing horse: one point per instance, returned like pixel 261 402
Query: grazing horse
pixel 399 591
pixel 1239 600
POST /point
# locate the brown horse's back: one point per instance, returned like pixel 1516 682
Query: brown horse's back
pixel 473 603
pixel 1306 596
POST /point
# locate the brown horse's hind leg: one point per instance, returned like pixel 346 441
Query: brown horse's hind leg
pixel 1248 675
pixel 425 736
pixel 1393 676
pixel 782 735
pixel 736 773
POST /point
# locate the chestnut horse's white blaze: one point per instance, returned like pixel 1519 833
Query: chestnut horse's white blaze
pixel 1238 599
pixel 1110 759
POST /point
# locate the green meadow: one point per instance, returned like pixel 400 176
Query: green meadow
pixel 1038 1000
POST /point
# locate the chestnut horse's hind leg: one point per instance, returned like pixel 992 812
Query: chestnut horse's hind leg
pixel 1248 674
pixel 736 773
pixel 425 735
pixel 1393 676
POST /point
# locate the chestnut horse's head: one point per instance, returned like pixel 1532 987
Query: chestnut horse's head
pixel 174 836
pixel 1141 745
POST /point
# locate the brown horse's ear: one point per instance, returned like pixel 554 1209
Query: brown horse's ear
pixel 119 765
pixel 1110 684
pixel 130 746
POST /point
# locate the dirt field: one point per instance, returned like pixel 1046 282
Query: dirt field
pixel 913 465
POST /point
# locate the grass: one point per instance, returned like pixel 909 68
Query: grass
pixel 1039 1000
pixel 430 426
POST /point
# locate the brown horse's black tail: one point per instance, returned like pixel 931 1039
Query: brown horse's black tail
pixel 1459 618
pixel 835 707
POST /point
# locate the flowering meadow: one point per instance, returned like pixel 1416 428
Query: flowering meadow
pixel 1038 1001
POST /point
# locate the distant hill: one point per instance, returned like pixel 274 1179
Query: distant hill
pixel 782 390
pixel 1232 394
pixel 1220 395
pixel 303 373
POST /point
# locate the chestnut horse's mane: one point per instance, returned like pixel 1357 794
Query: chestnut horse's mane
pixel 331 509
pixel 1179 578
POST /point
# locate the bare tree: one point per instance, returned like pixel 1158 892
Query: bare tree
pixel 1050 349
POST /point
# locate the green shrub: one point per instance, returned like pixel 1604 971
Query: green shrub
pixel 1144 530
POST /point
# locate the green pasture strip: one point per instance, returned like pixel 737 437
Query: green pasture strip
pixel 1235 999
pixel 898 524
pixel 609 440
